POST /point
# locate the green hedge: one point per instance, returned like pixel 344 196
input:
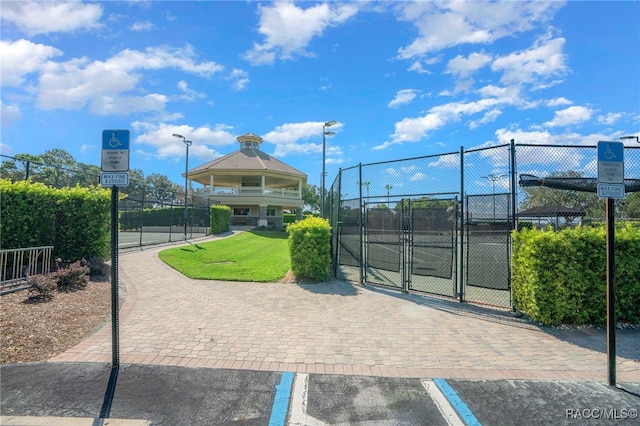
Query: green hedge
pixel 560 277
pixel 310 249
pixel 165 216
pixel 75 221
pixel 220 218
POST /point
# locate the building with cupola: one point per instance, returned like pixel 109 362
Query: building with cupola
pixel 256 186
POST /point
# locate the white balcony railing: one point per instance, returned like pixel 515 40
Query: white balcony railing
pixel 249 192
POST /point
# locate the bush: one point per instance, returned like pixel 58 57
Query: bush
pixel 73 277
pixel 220 219
pixel 310 248
pixel 41 287
pixel 560 277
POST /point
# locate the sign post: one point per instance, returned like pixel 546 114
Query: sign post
pixel 611 187
pixel 115 167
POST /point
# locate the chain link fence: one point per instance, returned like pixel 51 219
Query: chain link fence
pixel 442 224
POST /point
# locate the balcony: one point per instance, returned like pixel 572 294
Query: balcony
pixel 248 192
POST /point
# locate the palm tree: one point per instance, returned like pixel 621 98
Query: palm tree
pixel 388 188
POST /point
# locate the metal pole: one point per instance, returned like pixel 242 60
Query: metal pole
pixel 322 213
pixel 186 180
pixel 461 283
pixel 611 291
pixel 115 346
pixel 513 185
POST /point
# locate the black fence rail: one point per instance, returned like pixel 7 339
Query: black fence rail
pixel 442 223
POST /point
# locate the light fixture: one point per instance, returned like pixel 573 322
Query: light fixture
pixel 186 179
pixel 324 134
pixel 630 138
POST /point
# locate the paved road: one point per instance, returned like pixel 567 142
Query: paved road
pixel 190 348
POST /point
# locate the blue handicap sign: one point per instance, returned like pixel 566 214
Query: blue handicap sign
pixel 115 139
pixel 611 151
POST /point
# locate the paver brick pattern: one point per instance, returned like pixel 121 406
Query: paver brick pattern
pixel 337 328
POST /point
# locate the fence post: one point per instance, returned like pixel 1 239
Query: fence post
pixel 514 221
pixel 360 224
pixel 462 227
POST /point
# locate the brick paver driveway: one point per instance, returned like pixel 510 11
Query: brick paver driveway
pixel 337 328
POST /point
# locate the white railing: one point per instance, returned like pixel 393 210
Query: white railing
pixel 17 264
pixel 250 192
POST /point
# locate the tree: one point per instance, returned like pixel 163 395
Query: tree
pixel 311 197
pixel 161 189
pixel 537 196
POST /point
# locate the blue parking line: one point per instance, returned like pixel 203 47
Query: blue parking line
pixel 461 408
pixel 281 400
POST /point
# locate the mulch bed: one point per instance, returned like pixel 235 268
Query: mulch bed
pixel 36 331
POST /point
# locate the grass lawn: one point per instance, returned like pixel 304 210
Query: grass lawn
pixel 261 256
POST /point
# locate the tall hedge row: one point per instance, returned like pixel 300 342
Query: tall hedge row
pixel 310 248
pixel 220 218
pixel 75 221
pixel 165 216
pixel 560 277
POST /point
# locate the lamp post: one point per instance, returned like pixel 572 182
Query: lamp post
pixel 493 179
pixel 324 149
pixel 186 173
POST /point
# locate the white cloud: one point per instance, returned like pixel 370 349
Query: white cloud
pixel 417 177
pixel 414 129
pixel 104 84
pixel 544 61
pixel 9 114
pixel 609 119
pixel 569 116
pixel 558 102
pixel 290 139
pixel 189 94
pixel 288 29
pixel 159 138
pixel 142 26
pixel 21 58
pixel 404 96
pixel 464 67
pixel 39 17
pixel 445 24
pixel 239 79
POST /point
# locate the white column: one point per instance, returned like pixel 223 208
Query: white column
pixel 211 188
pixel 263 184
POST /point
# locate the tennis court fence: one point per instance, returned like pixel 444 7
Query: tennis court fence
pixel 441 224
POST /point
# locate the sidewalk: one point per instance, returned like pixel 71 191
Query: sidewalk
pixel 338 328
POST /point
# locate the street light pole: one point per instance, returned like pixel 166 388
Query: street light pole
pixel 324 149
pixel 493 179
pixel 186 180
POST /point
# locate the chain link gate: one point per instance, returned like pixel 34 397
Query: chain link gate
pixel 412 246
pixel 487 249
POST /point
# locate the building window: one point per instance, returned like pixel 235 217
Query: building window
pixel 237 211
pixel 271 212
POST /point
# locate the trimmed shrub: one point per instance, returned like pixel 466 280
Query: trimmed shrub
pixel 41 287
pixel 560 277
pixel 220 219
pixel 73 277
pixel 310 248
pixel 75 221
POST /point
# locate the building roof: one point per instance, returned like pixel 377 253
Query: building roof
pixel 246 160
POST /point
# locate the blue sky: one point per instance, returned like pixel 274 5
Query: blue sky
pixel 402 79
